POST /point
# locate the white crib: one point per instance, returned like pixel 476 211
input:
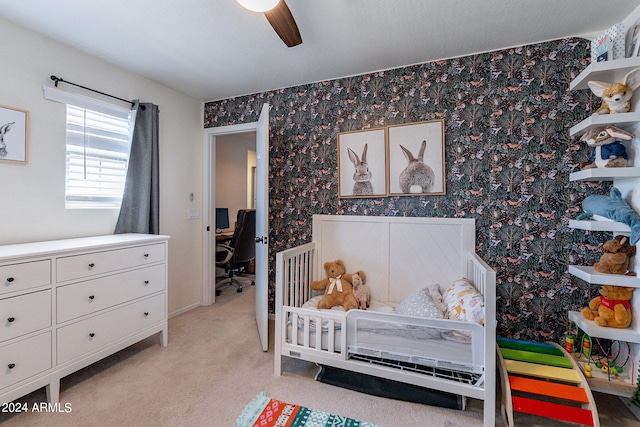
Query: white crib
pixel 399 255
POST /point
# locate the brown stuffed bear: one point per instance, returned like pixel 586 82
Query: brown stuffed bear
pixel 338 286
pixel 612 308
pixel 615 259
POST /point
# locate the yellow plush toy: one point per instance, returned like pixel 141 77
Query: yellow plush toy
pixel 337 286
pixel 612 308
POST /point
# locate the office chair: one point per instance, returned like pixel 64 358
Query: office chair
pixel 236 256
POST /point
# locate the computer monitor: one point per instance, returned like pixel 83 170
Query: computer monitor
pixel 222 218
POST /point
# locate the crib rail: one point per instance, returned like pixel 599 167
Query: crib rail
pixel 294 273
pixel 311 335
pixel 359 322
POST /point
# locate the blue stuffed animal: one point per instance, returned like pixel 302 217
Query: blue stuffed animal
pixel 613 207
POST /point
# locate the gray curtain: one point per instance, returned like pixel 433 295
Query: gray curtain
pixel 140 209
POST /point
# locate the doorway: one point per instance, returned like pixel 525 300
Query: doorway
pixel 212 137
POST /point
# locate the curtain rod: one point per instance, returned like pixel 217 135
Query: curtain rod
pixel 59 80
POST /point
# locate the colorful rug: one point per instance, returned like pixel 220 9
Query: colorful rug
pixel 266 412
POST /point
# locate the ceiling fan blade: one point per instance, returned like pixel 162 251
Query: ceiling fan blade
pixel 282 21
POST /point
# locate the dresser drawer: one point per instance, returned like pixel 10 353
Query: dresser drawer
pixel 82 298
pixel 25 313
pixel 91 334
pixel 86 265
pixel 24 359
pixel 18 277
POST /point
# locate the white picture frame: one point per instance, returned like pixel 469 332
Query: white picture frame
pixel 354 149
pixel 13 135
pixel 407 167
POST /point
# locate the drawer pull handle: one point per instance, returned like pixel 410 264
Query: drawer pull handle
pixel 91 297
pixel 146 255
pixel 11 365
pixel 91 335
pixel 10 279
pixel 91 265
pixel 11 319
pixel 146 282
pixel 146 313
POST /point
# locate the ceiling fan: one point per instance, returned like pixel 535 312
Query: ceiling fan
pixel 279 16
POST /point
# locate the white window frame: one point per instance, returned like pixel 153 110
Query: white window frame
pixel 94 176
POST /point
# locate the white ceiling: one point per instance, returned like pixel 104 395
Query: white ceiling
pixel 215 49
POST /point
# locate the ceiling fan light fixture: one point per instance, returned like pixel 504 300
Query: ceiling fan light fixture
pixel 259 5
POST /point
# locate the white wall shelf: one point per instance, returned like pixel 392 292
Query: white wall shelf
pixel 595 331
pixel 594 225
pixel 627 180
pixel 607 71
pixel 621 120
pixel 605 174
pixel 589 274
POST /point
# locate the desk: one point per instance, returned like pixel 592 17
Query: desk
pixel 225 235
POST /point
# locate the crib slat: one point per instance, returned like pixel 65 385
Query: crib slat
pixel 294 335
pixel 318 344
pixel 306 332
pixel 332 336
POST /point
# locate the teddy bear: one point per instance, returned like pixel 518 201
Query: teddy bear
pixel 612 308
pixel 615 259
pixel 337 286
pixel 607 151
pixel 361 291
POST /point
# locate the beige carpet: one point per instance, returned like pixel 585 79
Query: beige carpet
pixel 213 367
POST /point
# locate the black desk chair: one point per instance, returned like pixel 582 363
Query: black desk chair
pixel 235 257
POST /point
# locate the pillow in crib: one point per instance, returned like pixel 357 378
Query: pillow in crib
pixel 422 303
pixel 464 302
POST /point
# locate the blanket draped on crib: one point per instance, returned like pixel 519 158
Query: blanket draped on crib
pixel 266 412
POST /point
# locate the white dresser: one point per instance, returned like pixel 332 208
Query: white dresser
pixel 65 304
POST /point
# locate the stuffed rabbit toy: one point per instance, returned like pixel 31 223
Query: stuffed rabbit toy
pixel 417 173
pixel 3 146
pixel 362 176
pixel 360 291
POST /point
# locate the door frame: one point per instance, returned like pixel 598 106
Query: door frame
pixel 209 197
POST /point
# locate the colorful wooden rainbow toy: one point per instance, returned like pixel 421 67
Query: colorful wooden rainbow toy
pixel 541 379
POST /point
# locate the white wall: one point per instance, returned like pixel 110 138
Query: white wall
pixel 32 195
pixel 234 154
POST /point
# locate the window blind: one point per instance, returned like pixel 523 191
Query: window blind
pixel 97 150
pixel 96 157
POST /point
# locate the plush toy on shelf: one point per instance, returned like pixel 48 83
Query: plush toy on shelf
pixel 616 97
pixel 612 207
pixel 612 308
pixel 337 286
pixel 607 151
pixel 615 259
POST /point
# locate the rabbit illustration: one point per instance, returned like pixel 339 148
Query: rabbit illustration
pixel 362 176
pixel 3 130
pixel 417 173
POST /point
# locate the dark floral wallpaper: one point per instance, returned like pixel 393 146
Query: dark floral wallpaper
pixel 508 157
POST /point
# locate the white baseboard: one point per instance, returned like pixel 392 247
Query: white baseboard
pixel 633 408
pixel 184 310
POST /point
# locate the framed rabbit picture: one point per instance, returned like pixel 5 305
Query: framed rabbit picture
pixel 362 163
pixel 416 159
pixel 13 135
